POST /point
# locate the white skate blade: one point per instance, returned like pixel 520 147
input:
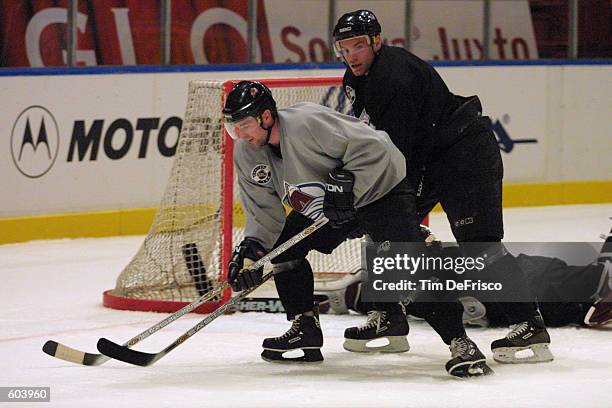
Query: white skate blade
pixel 587 317
pixel 539 354
pixel 305 355
pixel 397 344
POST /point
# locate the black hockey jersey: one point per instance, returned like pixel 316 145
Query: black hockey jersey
pixel 404 96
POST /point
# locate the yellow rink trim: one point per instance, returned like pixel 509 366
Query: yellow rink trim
pixel 138 220
pixel 93 224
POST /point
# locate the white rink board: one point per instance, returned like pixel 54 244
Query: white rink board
pixel 566 109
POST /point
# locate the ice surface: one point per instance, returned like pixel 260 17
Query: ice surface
pixel 53 289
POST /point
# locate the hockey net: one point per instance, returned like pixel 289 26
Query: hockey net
pixel 199 220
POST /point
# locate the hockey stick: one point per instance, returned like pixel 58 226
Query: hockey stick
pixel 125 354
pixel 63 352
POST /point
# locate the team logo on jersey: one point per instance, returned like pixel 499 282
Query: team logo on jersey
pixel 350 92
pixel 261 174
pixel 305 198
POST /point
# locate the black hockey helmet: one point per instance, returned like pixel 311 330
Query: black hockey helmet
pixel 248 98
pixel 355 24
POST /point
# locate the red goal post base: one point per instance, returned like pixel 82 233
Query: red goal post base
pixel 162 306
pixel 166 306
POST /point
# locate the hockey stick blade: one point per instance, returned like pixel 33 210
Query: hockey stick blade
pixel 123 353
pixel 118 352
pixel 58 350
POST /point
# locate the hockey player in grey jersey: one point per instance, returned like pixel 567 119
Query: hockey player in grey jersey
pixel 319 163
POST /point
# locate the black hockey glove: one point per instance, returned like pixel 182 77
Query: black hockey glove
pixel 338 205
pixel 239 276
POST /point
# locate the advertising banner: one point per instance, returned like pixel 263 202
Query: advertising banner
pixel 122 32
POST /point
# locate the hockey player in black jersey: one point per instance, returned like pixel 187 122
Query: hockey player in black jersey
pixel 452 158
pixel 320 162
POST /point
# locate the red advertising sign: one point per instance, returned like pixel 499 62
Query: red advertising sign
pixel 33 33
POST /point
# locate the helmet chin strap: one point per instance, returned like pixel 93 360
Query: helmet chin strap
pixel 268 130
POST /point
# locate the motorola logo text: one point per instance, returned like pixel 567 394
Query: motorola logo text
pixel 115 140
pixel 34 141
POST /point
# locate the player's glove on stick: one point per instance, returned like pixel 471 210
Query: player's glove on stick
pixel 240 277
pixel 338 205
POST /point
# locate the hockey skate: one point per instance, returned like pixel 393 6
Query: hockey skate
pixel 600 313
pixel 304 333
pixel 528 335
pixel 466 359
pixel 380 325
pixel 606 250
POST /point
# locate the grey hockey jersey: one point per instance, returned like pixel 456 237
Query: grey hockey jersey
pixel 314 140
